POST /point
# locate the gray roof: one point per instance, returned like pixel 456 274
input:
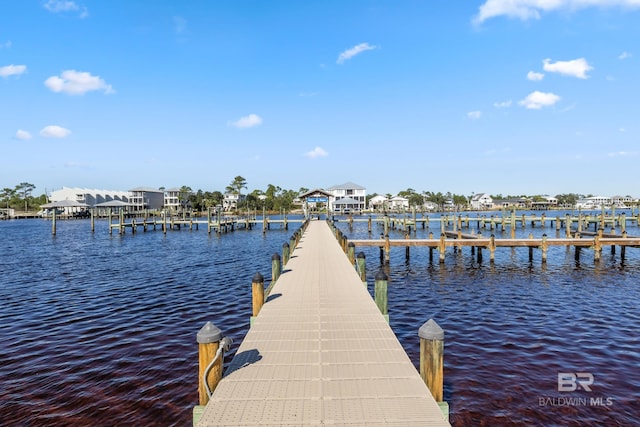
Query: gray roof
pixel 317 190
pixel 347 186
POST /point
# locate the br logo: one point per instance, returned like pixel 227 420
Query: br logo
pixel 569 381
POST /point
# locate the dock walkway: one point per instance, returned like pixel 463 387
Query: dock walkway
pixel 321 353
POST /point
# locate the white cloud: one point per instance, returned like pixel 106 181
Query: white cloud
pixel 59 6
pixel 536 100
pixel 74 82
pixel 531 9
pixel 350 53
pixel 502 104
pixel 316 152
pixel 474 115
pixel 624 55
pixel 535 77
pixel 12 70
pixel 623 154
pixel 54 131
pixel 247 121
pixel 5 45
pixel 575 68
pixel 23 135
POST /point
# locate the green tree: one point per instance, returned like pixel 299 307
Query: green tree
pixel 7 194
pixel 25 189
pixel 460 201
pixel 184 194
pixel 237 185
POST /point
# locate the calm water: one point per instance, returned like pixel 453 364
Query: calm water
pixel 100 330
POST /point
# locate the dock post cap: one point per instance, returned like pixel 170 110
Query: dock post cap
pixel 275 257
pixel 257 278
pixel 351 245
pixel 380 275
pixel 361 255
pixel 431 331
pixel 208 334
pixel 285 245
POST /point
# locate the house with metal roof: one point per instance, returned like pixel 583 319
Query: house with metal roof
pixel 347 197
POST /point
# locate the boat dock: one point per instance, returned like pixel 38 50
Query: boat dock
pixel 320 352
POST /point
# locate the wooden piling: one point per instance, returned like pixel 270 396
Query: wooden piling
pixel 208 345
pixel 109 215
pixel 362 266
pixel 351 252
pixel 285 253
pixel 406 249
pixel 257 293
pixel 492 249
pixel 276 267
pixel 432 358
pixel 53 222
pixel 387 249
pixel 381 281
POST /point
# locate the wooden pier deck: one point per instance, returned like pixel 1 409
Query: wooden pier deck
pixel 321 353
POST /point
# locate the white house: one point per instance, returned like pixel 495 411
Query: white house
pixel 347 196
pixel 231 201
pixel 172 199
pixel 398 203
pixel 594 202
pixel 481 201
pixel 378 203
pixel 89 196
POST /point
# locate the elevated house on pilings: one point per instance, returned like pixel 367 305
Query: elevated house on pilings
pixel 348 197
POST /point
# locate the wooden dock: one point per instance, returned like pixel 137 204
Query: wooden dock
pixel 321 353
pixel 597 242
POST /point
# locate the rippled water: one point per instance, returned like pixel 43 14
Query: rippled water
pixel 512 326
pixel 100 330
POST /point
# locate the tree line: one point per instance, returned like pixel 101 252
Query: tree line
pixel 20 197
pixel 273 198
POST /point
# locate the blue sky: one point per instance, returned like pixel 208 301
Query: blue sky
pixel 511 97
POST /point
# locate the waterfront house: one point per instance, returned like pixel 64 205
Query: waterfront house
pixel 378 203
pixel 481 201
pixel 519 202
pixel 430 206
pixel 594 202
pixel 90 197
pixel 347 196
pixel 544 202
pixel 622 201
pixel 232 200
pixel 146 198
pixel 398 203
pixel 172 199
